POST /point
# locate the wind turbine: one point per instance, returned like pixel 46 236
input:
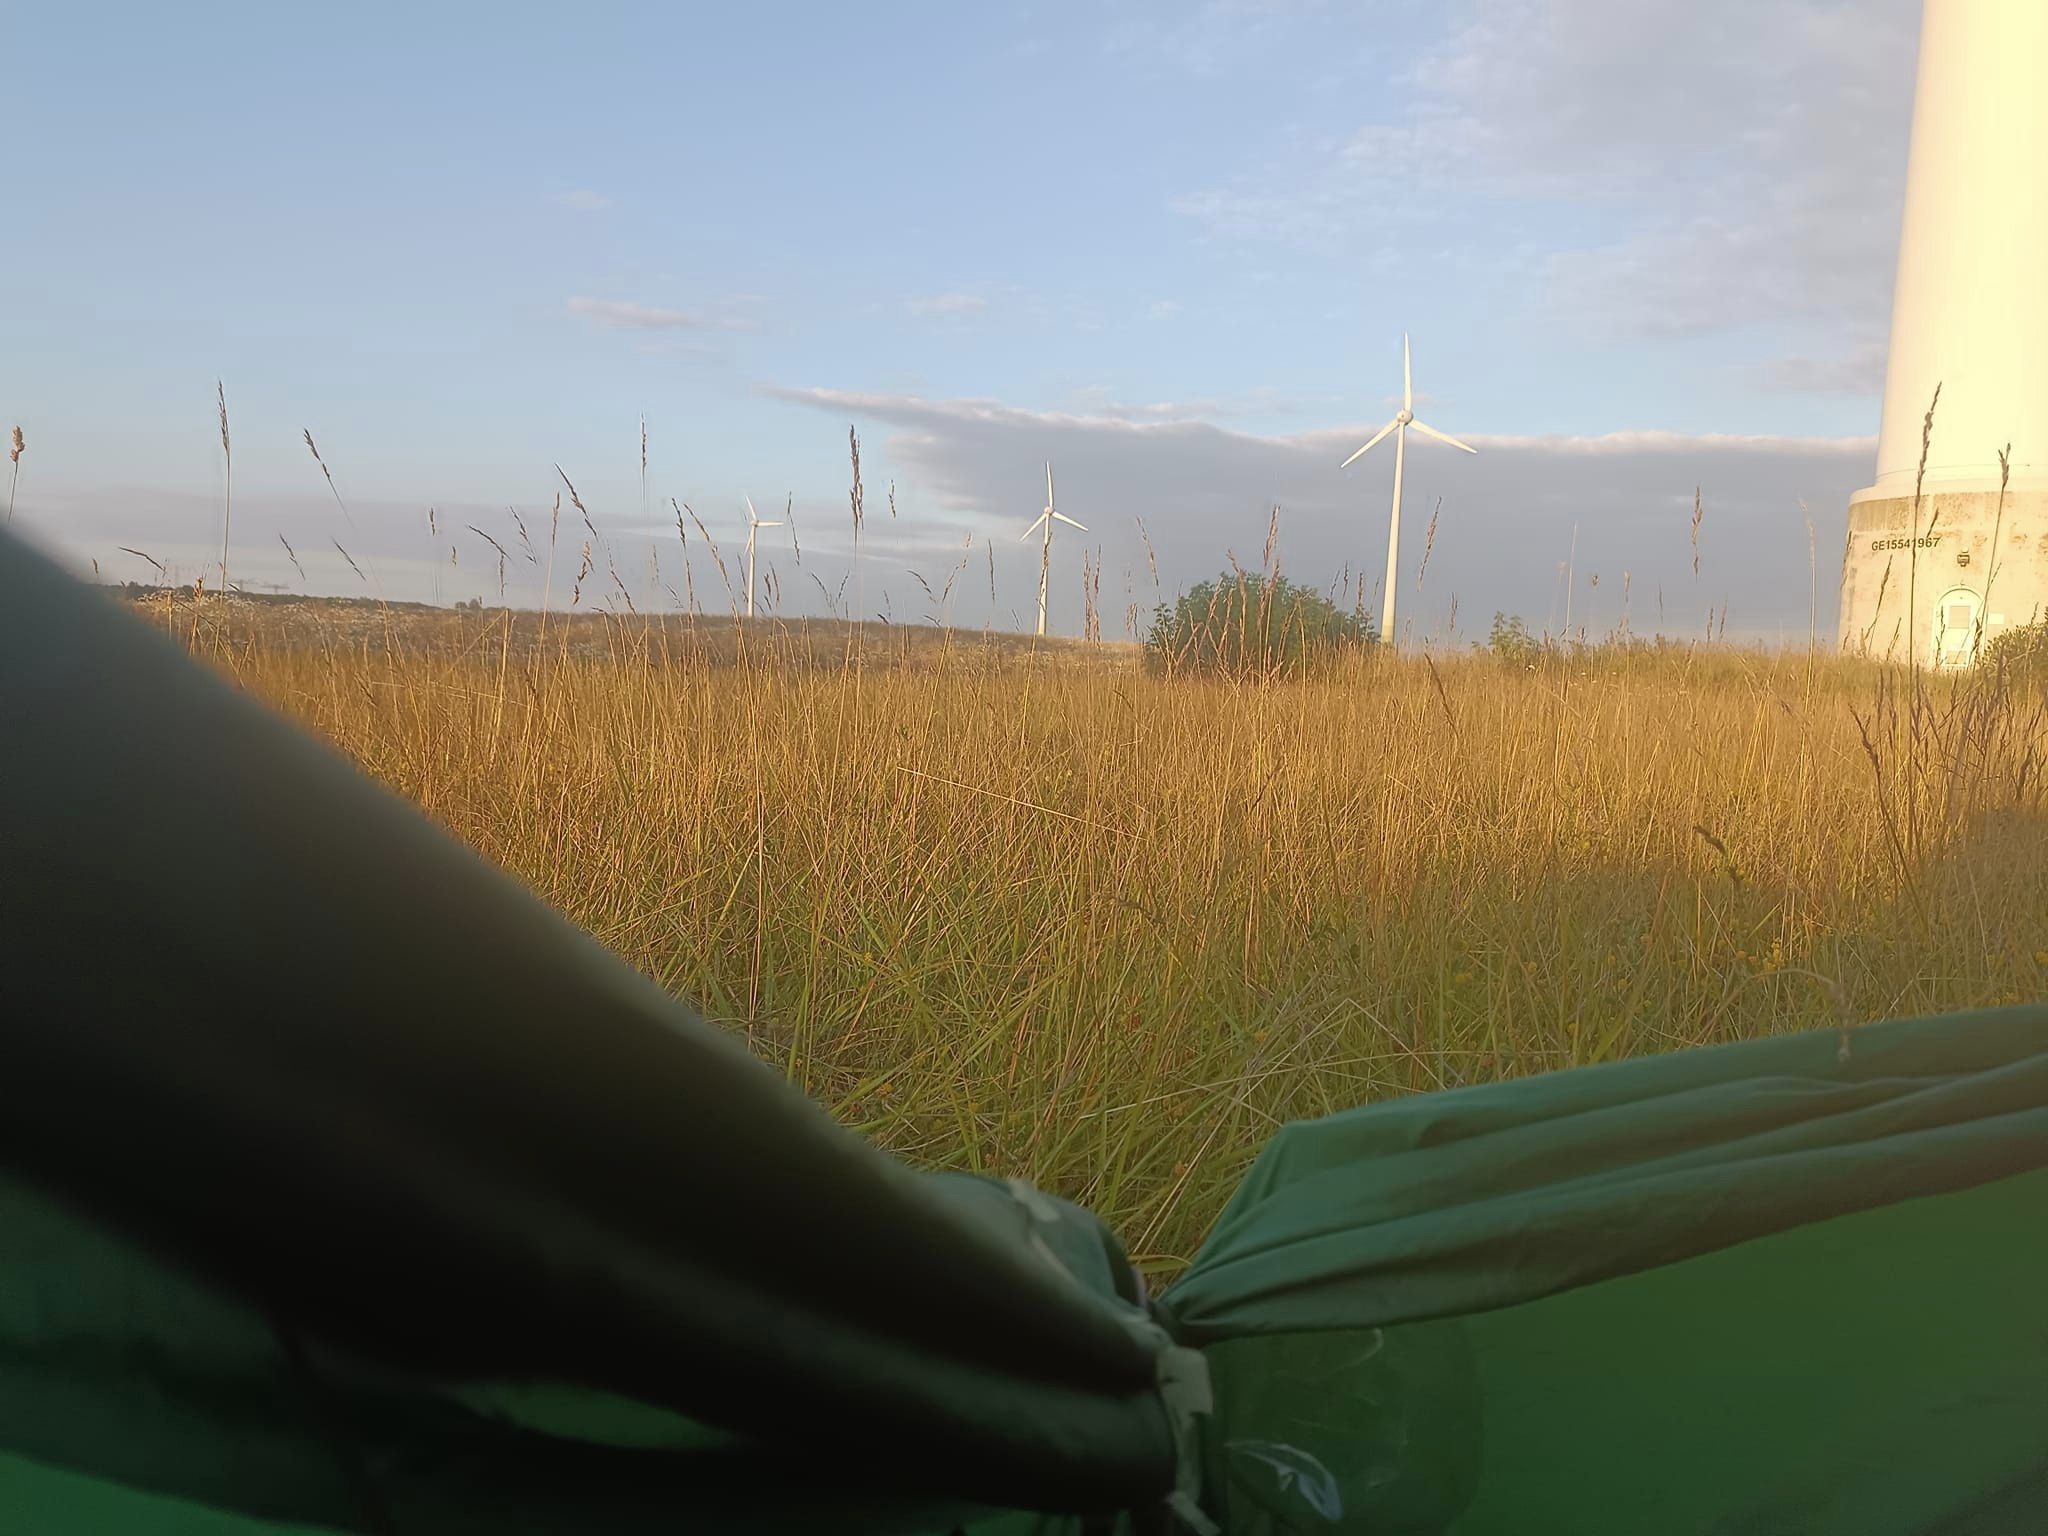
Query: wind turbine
pixel 1045 520
pixel 754 521
pixel 1399 427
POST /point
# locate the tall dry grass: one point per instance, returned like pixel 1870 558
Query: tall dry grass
pixel 16 447
pixel 1105 930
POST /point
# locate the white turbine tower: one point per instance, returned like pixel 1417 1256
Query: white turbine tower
pixel 1399 427
pixel 1045 520
pixel 1948 547
pixel 754 521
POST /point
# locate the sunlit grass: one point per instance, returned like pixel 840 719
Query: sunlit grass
pixel 1105 930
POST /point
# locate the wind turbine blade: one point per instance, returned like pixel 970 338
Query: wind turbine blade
pixel 1036 525
pixel 1373 443
pixel 1070 522
pixel 752 516
pixel 776 524
pixel 1048 483
pixel 1407 376
pixel 1442 437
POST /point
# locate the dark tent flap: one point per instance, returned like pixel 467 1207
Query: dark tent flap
pixel 268 1017
pixel 133 1396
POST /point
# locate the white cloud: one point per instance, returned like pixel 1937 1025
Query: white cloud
pixel 1100 401
pixel 293 540
pixel 620 314
pixel 1204 491
pixel 1741 162
pixel 1859 372
pixel 948 305
pixel 1507 521
pixel 584 200
pixel 736 314
pixel 1164 309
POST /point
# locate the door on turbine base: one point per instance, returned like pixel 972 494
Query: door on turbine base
pixel 1958 623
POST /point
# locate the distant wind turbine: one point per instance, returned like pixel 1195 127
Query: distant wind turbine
pixel 754 521
pixel 1399 427
pixel 1045 520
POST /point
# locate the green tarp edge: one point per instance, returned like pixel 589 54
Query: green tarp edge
pixel 1493 1195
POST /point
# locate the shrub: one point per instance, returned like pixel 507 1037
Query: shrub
pixel 2019 652
pixel 1510 640
pixel 1256 625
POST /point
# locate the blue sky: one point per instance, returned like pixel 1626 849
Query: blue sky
pixel 463 243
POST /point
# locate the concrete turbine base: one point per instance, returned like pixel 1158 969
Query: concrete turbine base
pixel 1960 595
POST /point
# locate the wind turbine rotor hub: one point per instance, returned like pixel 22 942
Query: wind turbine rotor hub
pixel 1405 417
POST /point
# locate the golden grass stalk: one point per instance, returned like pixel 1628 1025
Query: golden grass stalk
pixel 335 490
pixel 228 507
pixel 15 448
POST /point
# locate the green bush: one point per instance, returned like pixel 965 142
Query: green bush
pixel 1242 623
pixel 1510 640
pixel 2020 652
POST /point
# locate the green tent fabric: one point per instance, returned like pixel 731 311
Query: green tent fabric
pixel 1794 1285
pixel 194 1409
pixel 434 1217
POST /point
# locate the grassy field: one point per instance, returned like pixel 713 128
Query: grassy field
pixel 1041 913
